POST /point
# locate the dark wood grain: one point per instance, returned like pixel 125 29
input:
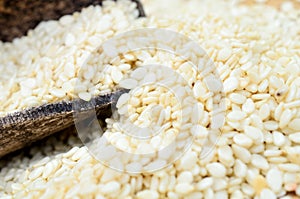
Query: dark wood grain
pixel 22 128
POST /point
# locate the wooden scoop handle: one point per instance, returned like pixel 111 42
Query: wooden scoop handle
pixel 22 128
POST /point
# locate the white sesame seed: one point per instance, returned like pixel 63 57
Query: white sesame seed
pixel 147 194
pixel 184 188
pixel 272 153
pixel 138 73
pixel 247 189
pixel 292 104
pixel 264 111
pixel 213 84
pixel 123 99
pixel 219 184
pixel 254 133
pixel 241 153
pixel 285 118
pixel 209 193
pixel 49 168
pixel 236 194
pixel 128 83
pixel 267 193
pixel 70 39
pixel 295 137
pixel 237 98
pixel 65 20
pixel 111 187
pixel 278 111
pixel 236 115
pixel 116 75
pixel 79 153
pixel 216 169
pixel 221 194
pixel 185 177
pixel 85 96
pixel 242 140
pixel 295 124
pixel 271 125
pixel 149 78
pixel 278 138
pixel 224 54
pixel 205 183
pixel 240 168
pixel 274 179
pixel 248 106
pixel 289 167
pixel 188 161
pixel 259 162
pixel 199 89
pixel 57 93
pixel 230 84
pixel 42 162
pixel 110 50
pixel 225 155
pixel 172 195
pixel 194 195
pixel 37 172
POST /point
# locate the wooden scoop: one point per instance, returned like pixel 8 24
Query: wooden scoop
pixel 21 128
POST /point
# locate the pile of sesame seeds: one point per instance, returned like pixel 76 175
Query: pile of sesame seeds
pixel 256 53
pixel 43 66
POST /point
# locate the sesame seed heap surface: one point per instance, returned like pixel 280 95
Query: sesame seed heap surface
pixel 256 52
